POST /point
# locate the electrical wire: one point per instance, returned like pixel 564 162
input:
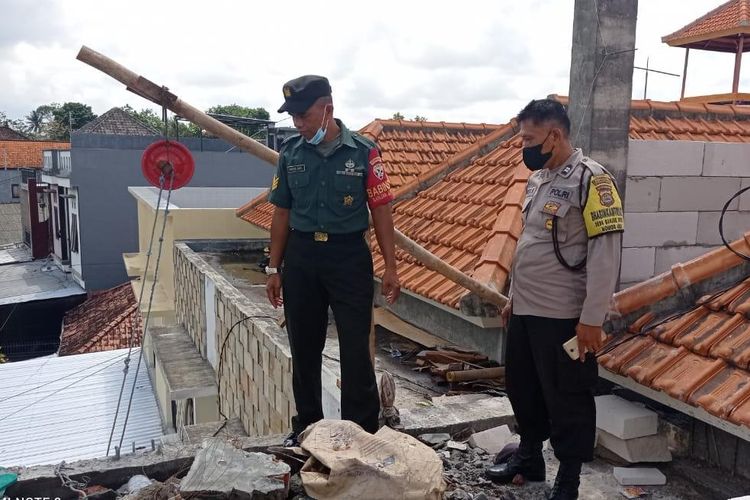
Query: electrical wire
pixel 721 223
pixel 223 348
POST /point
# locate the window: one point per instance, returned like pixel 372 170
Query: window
pixel 15 190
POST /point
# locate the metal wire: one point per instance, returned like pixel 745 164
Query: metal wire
pixel 143 287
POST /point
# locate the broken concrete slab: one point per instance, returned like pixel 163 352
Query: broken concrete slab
pixel 453 414
pixel 221 468
pixel 639 476
pixel 455 445
pixel 161 464
pixel 643 449
pixel 492 440
pixel 434 439
pixel 624 419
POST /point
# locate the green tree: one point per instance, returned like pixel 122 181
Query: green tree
pixel 420 118
pixel 256 131
pixel 398 116
pixel 71 115
pixel 39 118
pixel 15 125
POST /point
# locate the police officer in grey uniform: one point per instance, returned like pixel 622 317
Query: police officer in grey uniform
pixel 564 272
pixel 328 180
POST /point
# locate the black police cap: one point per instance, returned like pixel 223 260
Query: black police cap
pixel 302 92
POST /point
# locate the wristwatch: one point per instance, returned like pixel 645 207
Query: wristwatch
pixel 272 270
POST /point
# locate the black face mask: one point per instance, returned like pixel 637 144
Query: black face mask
pixel 533 157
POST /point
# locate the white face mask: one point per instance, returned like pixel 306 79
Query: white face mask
pixel 321 133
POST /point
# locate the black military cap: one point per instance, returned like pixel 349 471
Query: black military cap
pixel 302 92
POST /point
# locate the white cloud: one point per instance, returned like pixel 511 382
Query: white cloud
pixel 454 61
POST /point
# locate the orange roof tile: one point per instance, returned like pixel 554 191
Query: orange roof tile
pixel 702 356
pixel 26 154
pixel 409 148
pixel 471 217
pixel 728 19
pixel 104 321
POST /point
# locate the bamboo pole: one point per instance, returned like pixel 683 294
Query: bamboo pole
pixel 468 375
pixel 163 97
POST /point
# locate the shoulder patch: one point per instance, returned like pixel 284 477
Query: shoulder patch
pixel 603 210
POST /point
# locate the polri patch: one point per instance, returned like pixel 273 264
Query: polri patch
pixel 562 194
pixel 295 169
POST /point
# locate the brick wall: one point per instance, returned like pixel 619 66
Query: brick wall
pixel 26 154
pixel 675 193
pixel 256 366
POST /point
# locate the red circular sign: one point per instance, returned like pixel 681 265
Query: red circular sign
pixel 165 158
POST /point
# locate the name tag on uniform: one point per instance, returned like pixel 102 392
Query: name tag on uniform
pixel 562 194
pixel 295 169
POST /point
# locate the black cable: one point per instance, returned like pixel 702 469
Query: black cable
pixel 221 355
pixel 721 223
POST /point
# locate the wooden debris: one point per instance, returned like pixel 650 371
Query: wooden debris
pixel 469 375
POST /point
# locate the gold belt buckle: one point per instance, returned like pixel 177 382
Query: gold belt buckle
pixel 321 236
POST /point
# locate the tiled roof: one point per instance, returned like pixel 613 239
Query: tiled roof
pixel 730 18
pixel 702 356
pixel 103 322
pixel 471 217
pixel 8 134
pixel 117 122
pixel 413 148
pixel 409 149
pixel 26 154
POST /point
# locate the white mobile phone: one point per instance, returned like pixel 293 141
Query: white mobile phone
pixel 571 347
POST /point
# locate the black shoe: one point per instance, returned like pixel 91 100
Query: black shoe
pixel 291 440
pixel 566 482
pixel 527 461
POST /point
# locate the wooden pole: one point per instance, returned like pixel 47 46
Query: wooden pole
pixel 738 64
pixel 684 73
pixel 479 374
pixel 163 97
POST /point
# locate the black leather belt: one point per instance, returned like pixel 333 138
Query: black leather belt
pixel 327 237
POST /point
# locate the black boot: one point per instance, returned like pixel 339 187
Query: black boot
pixel 527 461
pixel 566 482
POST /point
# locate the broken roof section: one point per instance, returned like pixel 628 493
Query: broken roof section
pixel 686 333
pixel 467 208
pixel 717 30
pixel 62 408
pixel 105 321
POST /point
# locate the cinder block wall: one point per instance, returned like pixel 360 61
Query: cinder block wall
pixel 256 381
pixel 675 193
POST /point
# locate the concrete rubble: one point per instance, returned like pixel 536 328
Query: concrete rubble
pixel 639 476
pixel 224 469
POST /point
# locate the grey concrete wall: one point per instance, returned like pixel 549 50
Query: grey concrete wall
pixel 446 325
pixel 601 80
pixel 10 177
pixel 675 193
pixel 103 167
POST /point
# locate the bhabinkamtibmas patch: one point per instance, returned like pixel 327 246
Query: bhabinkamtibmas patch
pixel 603 211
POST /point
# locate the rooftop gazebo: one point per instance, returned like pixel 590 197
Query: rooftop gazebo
pixel 724 29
